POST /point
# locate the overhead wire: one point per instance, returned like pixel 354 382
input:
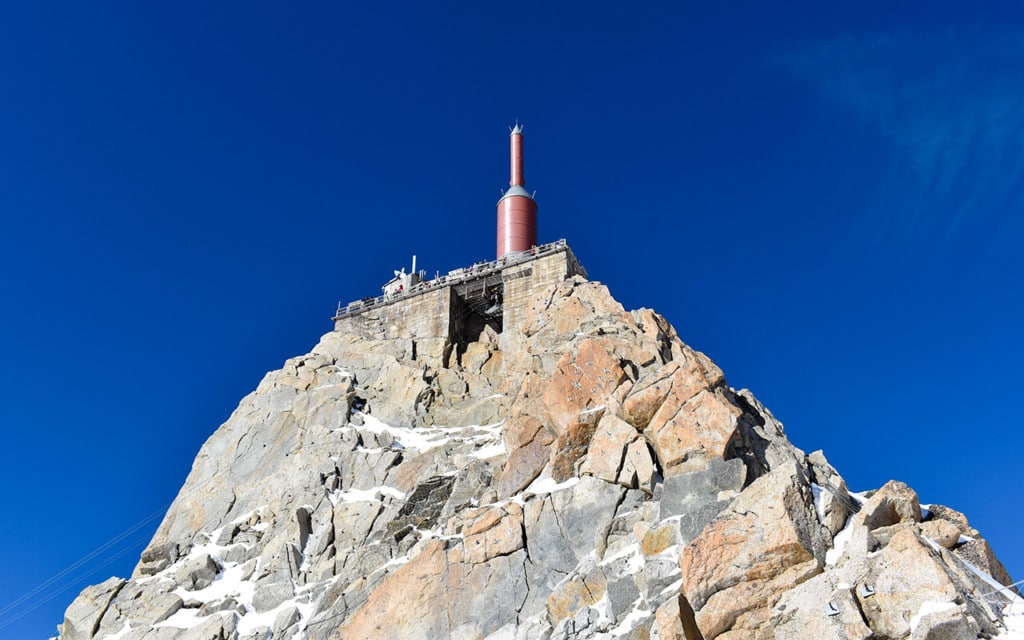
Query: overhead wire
pixel 31 595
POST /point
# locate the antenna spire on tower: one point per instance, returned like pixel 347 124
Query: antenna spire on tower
pixel 517 210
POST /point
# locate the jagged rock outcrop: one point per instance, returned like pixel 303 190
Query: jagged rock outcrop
pixel 598 478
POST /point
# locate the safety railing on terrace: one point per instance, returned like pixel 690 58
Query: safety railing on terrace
pixel 473 272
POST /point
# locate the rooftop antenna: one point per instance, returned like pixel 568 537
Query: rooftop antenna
pixel 517 210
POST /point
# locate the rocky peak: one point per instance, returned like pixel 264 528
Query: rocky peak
pixel 586 474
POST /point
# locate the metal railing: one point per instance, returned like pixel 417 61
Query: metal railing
pixel 472 272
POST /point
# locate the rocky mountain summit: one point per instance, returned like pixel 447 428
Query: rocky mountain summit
pixel 584 474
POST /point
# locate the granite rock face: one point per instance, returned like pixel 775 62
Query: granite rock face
pixel 597 479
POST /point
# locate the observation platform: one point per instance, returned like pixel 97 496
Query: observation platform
pixel 479 276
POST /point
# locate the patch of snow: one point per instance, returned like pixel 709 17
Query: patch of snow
pixel 182 619
pixel 328 386
pixel 546 484
pixel 374 494
pixel 415 438
pixel 672 588
pixel 839 543
pixel 1013 618
pixel 125 630
pixel 490 451
pixel 436 534
pixel 627 624
pixel 393 562
pixel 253 620
pixel 362 449
pixel 635 562
pixel 962 539
pixel 228 582
pixel 630 549
pixel 602 607
pixel 248 514
pixel 926 511
pixel 929 607
pixel 819 501
pixel 507 632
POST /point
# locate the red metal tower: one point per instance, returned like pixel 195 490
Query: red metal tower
pixel 517 210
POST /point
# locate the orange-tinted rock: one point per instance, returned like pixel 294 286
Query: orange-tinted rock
pixel 581 382
pixel 527 455
pixel 892 504
pixel 645 399
pixel 657 539
pixel 390 609
pixel 904 576
pixel 608 448
pixel 700 430
pixel 765 543
pixel 570 447
pixel 572 595
pixel 942 532
pixel 638 470
pixel 498 532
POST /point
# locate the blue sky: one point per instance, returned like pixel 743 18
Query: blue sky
pixel 826 200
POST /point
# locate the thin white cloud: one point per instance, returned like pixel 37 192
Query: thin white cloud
pixel 952 106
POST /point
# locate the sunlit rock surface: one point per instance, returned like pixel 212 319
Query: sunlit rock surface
pixel 598 479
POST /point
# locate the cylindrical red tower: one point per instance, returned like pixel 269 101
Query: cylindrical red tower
pixel 517 210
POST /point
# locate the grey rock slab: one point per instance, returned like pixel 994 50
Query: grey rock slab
pixel 659 573
pixel 549 548
pixel 697 516
pixel 585 511
pixel 269 595
pixel 488 595
pixel 470 484
pixel 371 468
pixel 82 618
pixel 197 573
pixel 948 624
pixel 215 606
pixel 259 633
pixel 691 491
pixel 215 627
pixel 238 553
pixel 622 595
pixel 352 522
pixel 155 608
pixel 285 621
pixel 804 612
pixel 157 558
pixel 156 633
pixel 143 604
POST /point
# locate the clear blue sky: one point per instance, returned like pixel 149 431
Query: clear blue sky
pixel 826 200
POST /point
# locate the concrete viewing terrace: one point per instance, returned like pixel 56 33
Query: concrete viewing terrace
pixel 477 271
